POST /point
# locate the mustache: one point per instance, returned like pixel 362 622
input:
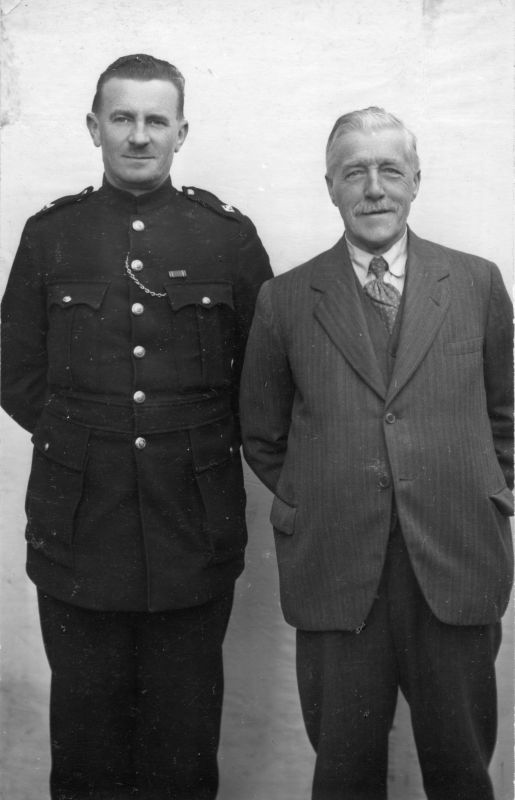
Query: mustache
pixel 369 208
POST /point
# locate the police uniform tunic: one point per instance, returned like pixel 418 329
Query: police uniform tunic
pixel 125 323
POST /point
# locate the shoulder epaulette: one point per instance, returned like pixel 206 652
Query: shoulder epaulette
pixel 63 201
pixel 211 201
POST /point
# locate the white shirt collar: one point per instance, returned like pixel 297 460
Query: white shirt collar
pixel 396 257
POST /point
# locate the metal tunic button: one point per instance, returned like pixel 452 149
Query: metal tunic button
pixel 138 225
pixel 137 309
pixel 139 351
pixel 140 442
pixel 46 446
pixel 137 265
pixel 139 397
pixel 206 301
pixel 67 298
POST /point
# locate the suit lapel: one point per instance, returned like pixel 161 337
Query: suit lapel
pixel 340 312
pixel 425 306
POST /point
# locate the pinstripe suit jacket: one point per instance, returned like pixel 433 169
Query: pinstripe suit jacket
pixel 335 444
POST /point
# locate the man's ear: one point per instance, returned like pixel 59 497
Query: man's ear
pixel 93 128
pixel 181 135
pixel 329 184
pixel 416 184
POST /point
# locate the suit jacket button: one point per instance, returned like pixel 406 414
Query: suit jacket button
pixel 384 482
pixel 390 418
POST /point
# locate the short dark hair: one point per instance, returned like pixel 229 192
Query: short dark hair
pixel 141 67
pixel 373 119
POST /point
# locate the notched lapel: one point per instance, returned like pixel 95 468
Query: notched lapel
pixel 426 304
pixel 339 311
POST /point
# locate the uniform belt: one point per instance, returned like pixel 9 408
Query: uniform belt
pixel 166 415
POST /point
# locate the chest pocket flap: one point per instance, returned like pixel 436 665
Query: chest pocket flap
pixel 70 293
pixel 205 295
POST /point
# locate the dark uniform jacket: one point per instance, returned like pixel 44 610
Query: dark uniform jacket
pixel 135 499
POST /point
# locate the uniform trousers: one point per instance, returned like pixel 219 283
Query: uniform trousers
pixel 348 685
pixel 136 700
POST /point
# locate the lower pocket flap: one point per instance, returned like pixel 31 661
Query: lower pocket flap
pixel 212 444
pixel 282 516
pixel 61 441
pixel 504 501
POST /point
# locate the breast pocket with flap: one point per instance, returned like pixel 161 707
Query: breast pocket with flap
pixel 75 333
pixel 203 330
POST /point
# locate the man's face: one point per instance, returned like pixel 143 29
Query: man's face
pixel 372 181
pixel 137 128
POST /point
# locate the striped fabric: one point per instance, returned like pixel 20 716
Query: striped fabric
pixel 336 444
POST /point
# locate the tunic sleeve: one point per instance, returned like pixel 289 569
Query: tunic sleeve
pixel 24 327
pixel 252 270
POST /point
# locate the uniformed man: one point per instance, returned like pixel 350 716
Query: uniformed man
pixel 124 326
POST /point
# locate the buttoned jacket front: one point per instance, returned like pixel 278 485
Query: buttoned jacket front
pixel 336 444
pixel 125 320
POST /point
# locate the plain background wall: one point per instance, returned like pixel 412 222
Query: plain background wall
pixel 264 83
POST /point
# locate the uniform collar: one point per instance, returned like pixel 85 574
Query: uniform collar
pixel 143 202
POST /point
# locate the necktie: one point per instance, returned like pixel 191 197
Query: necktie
pixel 385 297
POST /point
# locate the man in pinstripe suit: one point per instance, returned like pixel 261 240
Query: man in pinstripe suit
pixel 377 407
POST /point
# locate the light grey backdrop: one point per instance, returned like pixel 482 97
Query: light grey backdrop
pixel 265 82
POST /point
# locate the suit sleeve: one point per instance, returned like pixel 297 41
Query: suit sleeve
pixel 24 327
pixel 498 370
pixel 267 393
pixel 253 269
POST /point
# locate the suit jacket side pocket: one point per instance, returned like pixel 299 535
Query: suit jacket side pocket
pixel 503 501
pixel 282 516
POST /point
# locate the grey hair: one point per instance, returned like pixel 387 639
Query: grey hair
pixel 373 119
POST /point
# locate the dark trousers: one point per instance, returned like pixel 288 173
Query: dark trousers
pixel 348 684
pixel 136 701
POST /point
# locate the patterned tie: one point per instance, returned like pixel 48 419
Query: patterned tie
pixel 385 297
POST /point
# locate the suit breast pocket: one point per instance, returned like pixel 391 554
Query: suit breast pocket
pixel 464 346
pixel 203 331
pixel 55 487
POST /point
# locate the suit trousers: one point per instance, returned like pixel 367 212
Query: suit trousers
pixel 136 700
pixel 348 685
